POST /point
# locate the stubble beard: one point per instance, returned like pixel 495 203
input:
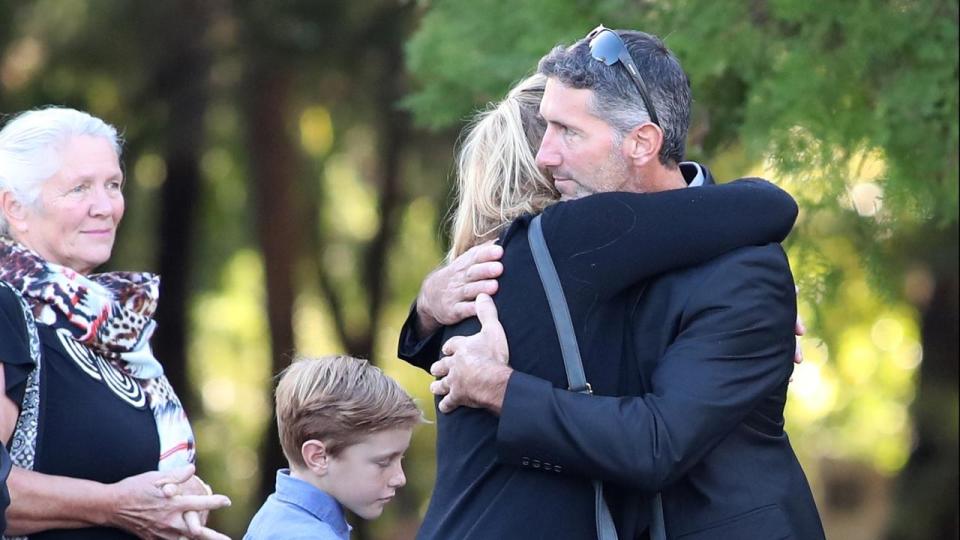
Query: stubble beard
pixel 612 174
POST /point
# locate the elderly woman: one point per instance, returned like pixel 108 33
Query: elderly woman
pixel 101 447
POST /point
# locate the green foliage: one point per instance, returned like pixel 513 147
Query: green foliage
pixel 809 84
pixel 468 53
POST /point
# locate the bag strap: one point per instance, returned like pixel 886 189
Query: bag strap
pixel 576 379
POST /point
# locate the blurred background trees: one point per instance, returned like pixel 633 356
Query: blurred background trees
pixel 288 167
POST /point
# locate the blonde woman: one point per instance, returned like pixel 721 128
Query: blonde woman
pixel 603 246
pixel 497 178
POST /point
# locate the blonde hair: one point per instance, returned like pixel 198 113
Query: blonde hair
pixel 338 400
pixel 497 175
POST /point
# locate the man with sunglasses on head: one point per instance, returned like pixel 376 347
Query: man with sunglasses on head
pixel 693 444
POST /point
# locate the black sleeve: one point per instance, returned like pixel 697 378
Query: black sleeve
pixel 14 345
pixel 418 352
pixel 610 241
pixel 734 348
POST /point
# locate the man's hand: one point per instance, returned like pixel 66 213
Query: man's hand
pixel 146 507
pixel 447 295
pixel 474 372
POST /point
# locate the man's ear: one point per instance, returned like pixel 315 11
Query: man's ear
pixel 13 211
pixel 315 456
pixel 642 145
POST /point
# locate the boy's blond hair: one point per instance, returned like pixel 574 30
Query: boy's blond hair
pixel 338 400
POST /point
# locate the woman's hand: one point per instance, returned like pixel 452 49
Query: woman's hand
pixel 195 520
pixel 447 295
pixel 144 508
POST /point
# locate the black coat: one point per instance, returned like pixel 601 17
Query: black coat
pixel 714 346
pixel 492 483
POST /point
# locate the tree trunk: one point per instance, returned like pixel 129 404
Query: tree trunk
pixel 391 27
pixel 394 130
pixel 275 168
pixel 182 85
pixel 926 500
pixel 395 136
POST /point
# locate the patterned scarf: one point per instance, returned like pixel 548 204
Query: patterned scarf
pixel 111 314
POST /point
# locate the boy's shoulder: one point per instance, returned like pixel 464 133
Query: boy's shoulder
pixel 280 519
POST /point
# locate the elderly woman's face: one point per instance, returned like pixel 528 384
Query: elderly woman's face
pixel 75 221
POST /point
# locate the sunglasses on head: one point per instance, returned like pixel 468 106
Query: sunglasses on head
pixel 607 47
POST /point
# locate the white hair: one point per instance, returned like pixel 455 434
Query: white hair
pixel 30 145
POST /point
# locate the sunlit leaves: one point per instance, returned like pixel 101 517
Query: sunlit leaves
pixel 316 130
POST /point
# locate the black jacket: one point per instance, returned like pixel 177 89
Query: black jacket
pixel 495 482
pixel 714 346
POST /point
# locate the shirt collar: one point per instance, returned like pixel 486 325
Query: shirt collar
pixel 692 172
pixel 312 499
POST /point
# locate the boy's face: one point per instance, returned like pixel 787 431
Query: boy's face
pixel 366 475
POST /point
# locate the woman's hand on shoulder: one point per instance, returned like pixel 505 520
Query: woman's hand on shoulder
pixel 157 505
pixel 447 295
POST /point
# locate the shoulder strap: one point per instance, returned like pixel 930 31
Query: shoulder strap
pixel 576 379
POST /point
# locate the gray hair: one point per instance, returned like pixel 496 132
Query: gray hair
pixel 616 99
pixel 30 144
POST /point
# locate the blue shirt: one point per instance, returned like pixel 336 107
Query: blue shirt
pixel 298 510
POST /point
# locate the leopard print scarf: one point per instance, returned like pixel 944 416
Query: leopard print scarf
pixel 111 314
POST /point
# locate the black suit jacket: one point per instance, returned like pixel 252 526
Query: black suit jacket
pixel 714 346
pixel 598 243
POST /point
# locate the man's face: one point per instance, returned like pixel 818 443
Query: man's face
pixel 580 151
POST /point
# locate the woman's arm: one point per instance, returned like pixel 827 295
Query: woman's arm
pixel 72 503
pixel 137 504
pixel 610 241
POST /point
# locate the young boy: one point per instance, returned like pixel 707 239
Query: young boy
pixel 344 427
